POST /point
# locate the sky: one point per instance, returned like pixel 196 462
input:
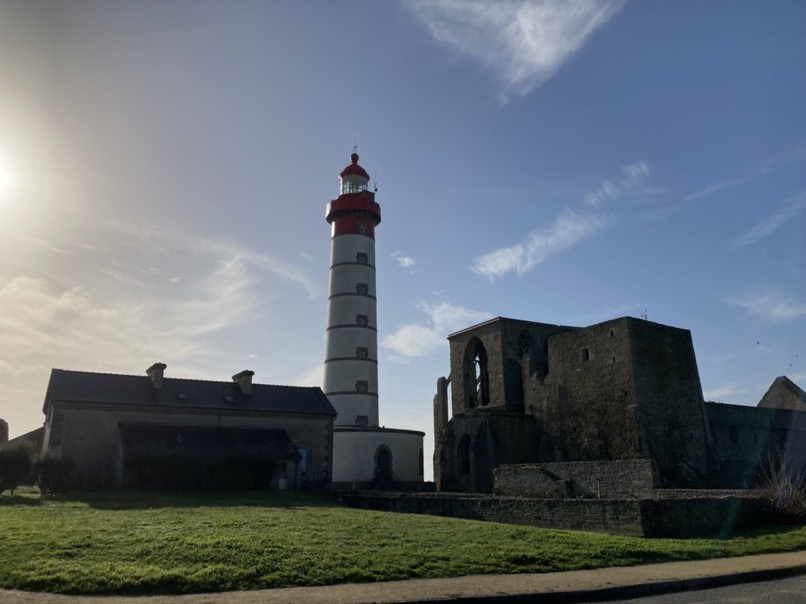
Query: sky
pixel 165 166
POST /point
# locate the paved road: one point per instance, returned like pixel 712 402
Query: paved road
pixel 782 591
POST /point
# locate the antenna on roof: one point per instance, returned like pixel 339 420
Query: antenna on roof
pixel 643 316
pixel 355 146
pixel 376 182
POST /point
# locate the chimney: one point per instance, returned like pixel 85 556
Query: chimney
pixel 155 373
pixel 244 380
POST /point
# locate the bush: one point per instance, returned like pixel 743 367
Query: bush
pixel 784 488
pixel 53 469
pixel 15 465
pixel 235 471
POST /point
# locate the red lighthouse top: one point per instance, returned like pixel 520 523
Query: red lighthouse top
pixel 354 169
pixel 355 211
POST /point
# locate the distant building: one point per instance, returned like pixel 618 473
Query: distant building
pixel 364 452
pixel 3 431
pixel 98 419
pixel 628 389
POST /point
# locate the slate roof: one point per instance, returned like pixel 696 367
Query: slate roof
pixel 114 389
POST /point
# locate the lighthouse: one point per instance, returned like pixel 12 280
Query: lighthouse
pixel 351 349
pixel 364 453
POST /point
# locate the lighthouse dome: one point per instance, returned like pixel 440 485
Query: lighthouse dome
pixel 353 178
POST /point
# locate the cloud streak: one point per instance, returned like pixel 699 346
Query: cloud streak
pixel 788 209
pixel 522 42
pixel 426 337
pixel 772 306
pixel 777 161
pixel 568 229
pixel 632 176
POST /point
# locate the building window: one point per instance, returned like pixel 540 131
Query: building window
pixel 585 354
pixel 362 353
pixel 361 420
pixel 362 386
pixel 477 387
pixel 362 320
pixel 362 227
pixel 362 289
pixel 362 258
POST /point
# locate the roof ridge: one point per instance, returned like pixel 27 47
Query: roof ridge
pixel 184 379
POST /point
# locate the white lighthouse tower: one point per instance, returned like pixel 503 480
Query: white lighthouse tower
pixel 363 452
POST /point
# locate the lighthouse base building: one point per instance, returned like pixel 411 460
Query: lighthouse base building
pixel 364 453
pixel 377 458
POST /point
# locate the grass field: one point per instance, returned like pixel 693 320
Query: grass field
pixel 185 543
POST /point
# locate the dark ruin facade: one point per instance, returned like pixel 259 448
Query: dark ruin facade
pixel 533 405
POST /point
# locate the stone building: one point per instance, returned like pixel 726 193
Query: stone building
pixel 99 419
pixel 3 431
pixel 627 389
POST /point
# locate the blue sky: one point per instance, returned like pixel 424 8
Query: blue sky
pixel 164 170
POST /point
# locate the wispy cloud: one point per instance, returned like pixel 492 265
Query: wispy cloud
pixel 522 42
pixel 776 161
pixel 568 229
pixel 787 210
pixel 403 261
pixel 772 306
pixel 426 337
pixel 164 241
pixel 632 176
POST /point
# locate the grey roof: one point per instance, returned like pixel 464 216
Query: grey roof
pixel 115 389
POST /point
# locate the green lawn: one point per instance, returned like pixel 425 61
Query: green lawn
pixel 171 543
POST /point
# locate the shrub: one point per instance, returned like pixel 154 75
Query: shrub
pixel 15 465
pixel 53 469
pixel 784 488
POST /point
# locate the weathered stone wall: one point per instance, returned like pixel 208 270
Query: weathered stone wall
pixel 625 479
pixel 708 516
pixel 746 439
pixel 587 403
pixel 783 393
pixel 671 410
pixel 477 442
pixel 503 342
pixel 3 431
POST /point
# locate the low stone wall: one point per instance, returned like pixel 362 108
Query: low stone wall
pixel 624 479
pixel 708 516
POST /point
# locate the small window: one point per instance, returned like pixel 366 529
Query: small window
pixel 361 420
pixel 181 396
pixel 612 332
pixel 362 353
pixel 362 227
pixel 362 320
pixel 585 354
pixel 228 398
pixel 362 289
pixel 362 258
pixel 361 386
